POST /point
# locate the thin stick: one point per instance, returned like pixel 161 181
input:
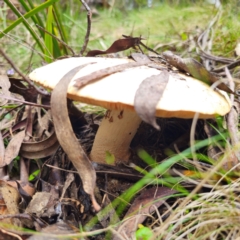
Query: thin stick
pixel 25 102
pixel 145 46
pixel 43 92
pixel 89 23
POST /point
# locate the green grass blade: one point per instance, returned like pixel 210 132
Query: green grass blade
pixel 26 16
pixel 26 24
pixel 40 22
pixel 126 197
pixel 27 9
pixel 60 27
pixel 48 38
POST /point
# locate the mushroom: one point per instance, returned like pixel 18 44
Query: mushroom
pixel 182 98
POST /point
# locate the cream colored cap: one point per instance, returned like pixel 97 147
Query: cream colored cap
pixel 183 96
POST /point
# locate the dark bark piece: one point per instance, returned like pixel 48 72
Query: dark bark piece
pixel 66 136
pixel 148 95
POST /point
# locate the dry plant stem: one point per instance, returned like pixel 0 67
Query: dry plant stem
pixel 43 92
pixel 192 140
pixel 151 50
pixel 190 196
pixel 212 151
pixel 204 37
pixel 30 111
pixel 89 18
pixel 15 236
pixel 20 215
pixel 25 102
pixel 216 58
pixel 229 66
pixel 114 135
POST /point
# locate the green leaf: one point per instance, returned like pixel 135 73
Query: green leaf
pixel 143 233
pixel 48 38
pixel 22 19
pixel 184 36
pixel 33 175
pixel 38 18
pixel 110 158
pixel 61 29
pixel 147 158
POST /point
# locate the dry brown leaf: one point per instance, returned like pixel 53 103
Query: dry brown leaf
pixel 11 199
pixel 42 204
pixel 12 150
pixel 41 149
pixel 117 46
pixel 70 178
pixel 14 128
pixel 67 138
pixel 148 95
pixel 43 123
pixel 26 186
pixel 4 85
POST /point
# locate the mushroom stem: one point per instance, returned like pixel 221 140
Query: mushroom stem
pixel 114 135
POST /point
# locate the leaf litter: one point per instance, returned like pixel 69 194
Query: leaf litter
pixel 48 209
pixel 52 198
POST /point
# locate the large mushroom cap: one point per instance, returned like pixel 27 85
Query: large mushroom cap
pixel 183 96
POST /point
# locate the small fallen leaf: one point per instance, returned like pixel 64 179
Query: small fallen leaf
pixel 118 46
pixel 148 95
pixel 13 148
pixel 42 204
pixel 143 233
pixel 110 158
pixel 11 198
